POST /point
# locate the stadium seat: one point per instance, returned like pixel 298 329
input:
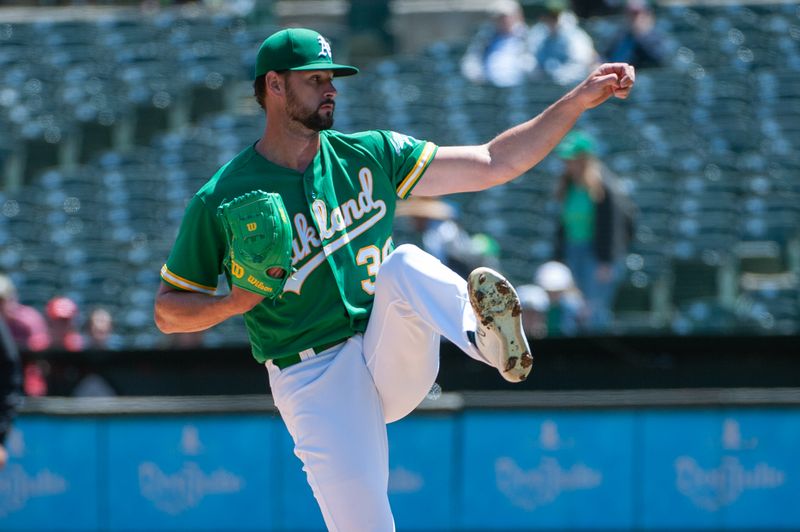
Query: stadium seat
pixel 641 303
pixel 709 275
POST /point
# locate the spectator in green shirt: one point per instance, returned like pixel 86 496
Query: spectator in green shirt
pixel 595 225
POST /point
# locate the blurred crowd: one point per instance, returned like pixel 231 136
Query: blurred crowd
pixel 57 328
pixel 507 50
pixel 61 326
pixel 574 292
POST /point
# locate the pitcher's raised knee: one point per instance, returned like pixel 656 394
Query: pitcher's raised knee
pixel 402 254
pixel 399 260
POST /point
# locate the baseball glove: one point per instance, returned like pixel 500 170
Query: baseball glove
pixel 259 241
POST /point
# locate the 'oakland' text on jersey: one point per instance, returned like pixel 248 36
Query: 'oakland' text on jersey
pixel 342 209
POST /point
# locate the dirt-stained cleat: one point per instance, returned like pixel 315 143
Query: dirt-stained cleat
pixel 500 335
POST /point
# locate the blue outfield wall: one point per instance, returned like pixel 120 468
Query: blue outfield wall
pixel 470 470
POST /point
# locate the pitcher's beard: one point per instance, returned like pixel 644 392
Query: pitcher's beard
pixel 315 120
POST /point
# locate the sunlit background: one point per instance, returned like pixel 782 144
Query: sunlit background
pixel 681 411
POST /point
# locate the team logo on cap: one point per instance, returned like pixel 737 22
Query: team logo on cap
pixel 325 48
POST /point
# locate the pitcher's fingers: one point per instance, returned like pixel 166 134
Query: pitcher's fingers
pixel 622 93
pixel 629 77
pixel 610 80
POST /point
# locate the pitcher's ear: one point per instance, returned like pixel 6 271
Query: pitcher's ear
pixel 275 82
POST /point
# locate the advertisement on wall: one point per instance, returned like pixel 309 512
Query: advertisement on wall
pixel 51 479
pixel 722 469
pixel 172 474
pixel 711 469
pixel 544 470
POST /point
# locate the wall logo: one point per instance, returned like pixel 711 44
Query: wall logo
pixel 542 485
pixel 550 439
pixel 17 486
pixel 177 492
pixel 715 488
pixel 180 491
pixel 530 489
pixel 190 441
pixel 732 437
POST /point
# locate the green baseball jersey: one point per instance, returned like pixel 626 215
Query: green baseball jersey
pixel 342 209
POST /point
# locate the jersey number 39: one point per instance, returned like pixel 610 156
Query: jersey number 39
pixel 372 257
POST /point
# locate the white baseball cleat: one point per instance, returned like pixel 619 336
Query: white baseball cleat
pixel 500 335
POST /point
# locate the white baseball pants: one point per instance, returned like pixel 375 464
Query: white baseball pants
pixel 336 405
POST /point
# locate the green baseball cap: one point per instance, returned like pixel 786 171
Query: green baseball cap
pixel 298 49
pixel 576 144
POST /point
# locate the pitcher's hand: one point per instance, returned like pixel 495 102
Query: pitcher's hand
pixel 607 80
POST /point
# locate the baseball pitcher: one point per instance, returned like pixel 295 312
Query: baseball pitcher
pixel 347 326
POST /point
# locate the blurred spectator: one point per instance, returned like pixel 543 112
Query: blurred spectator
pixel 431 224
pixel 93 385
pixel 498 53
pixel 566 311
pixel 595 225
pixel 562 50
pixel 10 384
pixel 29 330
pixel 100 328
pixel 34 378
pixel 28 327
pixel 639 43
pixel 535 304
pixel 100 336
pixel 62 315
